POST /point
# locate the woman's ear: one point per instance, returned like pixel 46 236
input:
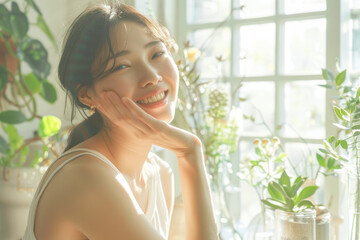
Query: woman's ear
pixel 86 96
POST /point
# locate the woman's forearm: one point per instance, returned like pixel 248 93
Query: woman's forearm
pixel 199 214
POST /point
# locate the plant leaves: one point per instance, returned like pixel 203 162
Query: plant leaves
pixel 344 144
pixel 32 83
pixel 340 78
pixel 285 181
pixel 273 206
pixel 33 52
pixel 274 193
pixel 4 146
pixel 45 28
pixel 297 184
pixel 327 74
pixel 49 126
pixel 330 163
pixel 321 160
pixel 12 117
pixel 48 92
pixel 338 113
pixel 306 192
pixel 5 23
pixel 3 77
pixel 340 126
pixel 34 6
pixel 19 22
pixel 305 203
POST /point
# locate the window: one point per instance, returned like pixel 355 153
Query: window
pixel 277 48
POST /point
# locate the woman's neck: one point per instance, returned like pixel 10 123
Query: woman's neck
pixel 126 151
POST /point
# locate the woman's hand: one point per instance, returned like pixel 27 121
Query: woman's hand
pixel 124 112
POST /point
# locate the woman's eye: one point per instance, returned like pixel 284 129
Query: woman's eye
pixel 157 54
pixel 120 67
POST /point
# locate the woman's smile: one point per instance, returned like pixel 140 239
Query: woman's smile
pixel 154 101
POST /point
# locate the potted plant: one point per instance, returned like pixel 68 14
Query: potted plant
pixel 343 150
pixel 295 214
pixel 24 71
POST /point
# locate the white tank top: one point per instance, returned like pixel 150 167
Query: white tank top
pixel 156 212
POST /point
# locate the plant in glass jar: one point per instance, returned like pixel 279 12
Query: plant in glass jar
pixel 295 214
pixel 343 150
pixel 258 171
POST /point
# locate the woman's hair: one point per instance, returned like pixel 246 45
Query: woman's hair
pixel 88 40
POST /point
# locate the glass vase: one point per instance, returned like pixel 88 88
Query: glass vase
pixel 354 205
pixel 295 225
pixel 322 223
pixel 261 226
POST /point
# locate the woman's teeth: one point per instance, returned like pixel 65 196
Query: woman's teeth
pixel 152 99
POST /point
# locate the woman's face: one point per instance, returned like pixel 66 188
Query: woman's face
pixel 144 71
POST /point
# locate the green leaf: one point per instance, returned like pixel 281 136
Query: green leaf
pixel 12 117
pixel 33 52
pixel 34 6
pixel 326 86
pixel 274 206
pixel 297 184
pixel 331 139
pixel 321 160
pixel 327 75
pixel 340 78
pixel 306 192
pixel 36 159
pixel 344 144
pixel 45 28
pixel 330 163
pixel 5 23
pixel 274 193
pixel 285 180
pixel 329 147
pixel 324 151
pixel 305 203
pixel 358 92
pixel 258 151
pixel 3 77
pixel 49 126
pixel 48 92
pixel 4 146
pixel 340 126
pixel 23 154
pixel 15 139
pixel 356 127
pixel 19 21
pixel 338 113
pixel 32 83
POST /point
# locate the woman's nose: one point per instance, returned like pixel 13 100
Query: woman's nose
pixel 149 76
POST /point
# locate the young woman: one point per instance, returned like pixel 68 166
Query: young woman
pixel 107 184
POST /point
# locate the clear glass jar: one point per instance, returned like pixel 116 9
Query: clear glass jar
pixel 295 225
pixel 261 226
pixel 322 223
pixel 354 205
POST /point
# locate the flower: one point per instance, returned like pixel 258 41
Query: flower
pixel 192 54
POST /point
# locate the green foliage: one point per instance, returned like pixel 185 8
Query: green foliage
pixel 336 150
pixel 19 90
pixel 287 196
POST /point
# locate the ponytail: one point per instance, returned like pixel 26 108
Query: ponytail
pixel 84 130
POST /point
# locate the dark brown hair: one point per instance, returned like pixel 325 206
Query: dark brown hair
pixel 87 39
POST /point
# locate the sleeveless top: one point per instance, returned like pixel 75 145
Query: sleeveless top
pixel 156 212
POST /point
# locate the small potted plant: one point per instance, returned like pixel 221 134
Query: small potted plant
pixel 295 214
pixel 24 71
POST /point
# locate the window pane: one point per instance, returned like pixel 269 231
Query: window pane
pixel 257 53
pixel 356 44
pixel 355 4
pixel 303 158
pixel 305 46
pixel 260 104
pixel 215 46
pixel 199 11
pixel 305 109
pixel 299 6
pixel 255 8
